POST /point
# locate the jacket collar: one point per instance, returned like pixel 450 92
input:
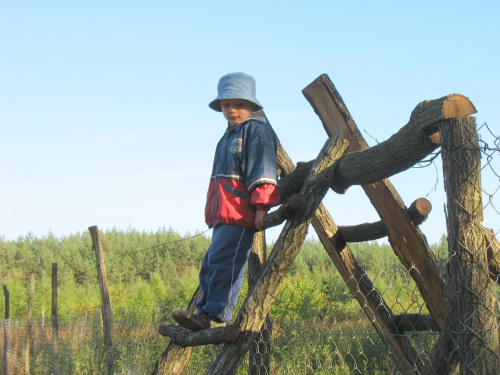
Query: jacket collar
pixel 241 124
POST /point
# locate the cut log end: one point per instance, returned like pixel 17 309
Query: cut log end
pixel 435 138
pixel 430 112
pixel 457 105
pixel 422 206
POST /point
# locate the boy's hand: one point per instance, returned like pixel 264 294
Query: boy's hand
pixel 259 220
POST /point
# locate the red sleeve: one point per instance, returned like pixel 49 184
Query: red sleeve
pixel 265 196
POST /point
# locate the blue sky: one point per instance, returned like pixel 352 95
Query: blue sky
pixel 104 112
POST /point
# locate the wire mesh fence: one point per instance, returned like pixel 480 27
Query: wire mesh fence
pixel 81 347
pixel 316 329
pixel 316 326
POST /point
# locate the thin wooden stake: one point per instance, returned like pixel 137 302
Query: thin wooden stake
pixel 6 324
pixel 55 323
pixel 28 325
pixel 7 302
pixel 106 305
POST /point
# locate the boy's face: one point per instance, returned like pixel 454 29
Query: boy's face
pixel 236 110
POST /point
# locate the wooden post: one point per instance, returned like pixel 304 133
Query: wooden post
pixel 55 323
pixel 259 361
pixel 28 325
pixel 7 302
pixel 41 323
pixel 106 305
pixel 473 325
pixel 6 324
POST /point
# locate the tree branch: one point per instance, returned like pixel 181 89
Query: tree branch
pixel 408 146
pixel 186 338
pixel 415 322
pixel 418 212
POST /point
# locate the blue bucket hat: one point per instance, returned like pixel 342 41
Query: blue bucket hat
pixel 235 86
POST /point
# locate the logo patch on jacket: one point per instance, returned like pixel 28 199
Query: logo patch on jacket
pixel 236 146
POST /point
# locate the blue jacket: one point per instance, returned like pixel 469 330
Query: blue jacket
pixel 244 174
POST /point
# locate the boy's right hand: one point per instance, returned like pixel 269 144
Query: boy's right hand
pixel 259 220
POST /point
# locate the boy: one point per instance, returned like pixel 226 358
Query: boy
pixel 242 189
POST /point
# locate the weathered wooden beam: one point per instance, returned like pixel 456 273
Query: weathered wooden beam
pixel 365 292
pixel 258 304
pixel 408 242
pixel 470 297
pixel 402 150
pixel 186 338
pixel 363 165
pixel 418 212
pixel 415 322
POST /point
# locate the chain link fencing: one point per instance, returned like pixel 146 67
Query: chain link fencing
pixel 316 329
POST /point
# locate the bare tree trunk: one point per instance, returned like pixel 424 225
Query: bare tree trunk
pixel 106 303
pixel 259 361
pixel 473 323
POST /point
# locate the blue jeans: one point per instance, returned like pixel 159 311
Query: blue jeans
pixel 222 270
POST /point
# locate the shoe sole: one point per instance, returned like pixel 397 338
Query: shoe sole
pixel 187 321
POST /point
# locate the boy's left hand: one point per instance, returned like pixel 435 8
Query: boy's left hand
pixel 259 220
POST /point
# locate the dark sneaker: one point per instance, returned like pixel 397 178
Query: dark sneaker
pixel 195 322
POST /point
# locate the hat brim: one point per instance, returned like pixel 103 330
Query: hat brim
pixel 215 104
